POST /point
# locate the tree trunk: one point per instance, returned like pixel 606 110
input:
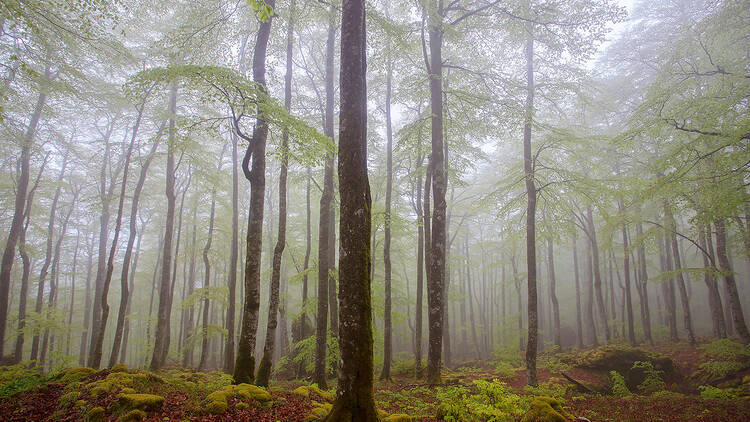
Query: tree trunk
pixel 47 258
pixel 735 305
pixel 643 276
pixel 418 309
pixel 16 225
pixel 187 354
pixel 161 345
pixel 597 273
pixel 354 401
pixel 626 271
pixel 470 297
pixel 589 308
pixel 131 290
pixel 709 278
pixel 264 369
pixel 668 287
pixel 202 365
pixel 388 325
pixel 87 304
pixel 436 267
pixel 133 231
pixel 553 292
pixel 244 367
pixel 233 260
pixel 577 281
pixel 528 166
pixel 672 238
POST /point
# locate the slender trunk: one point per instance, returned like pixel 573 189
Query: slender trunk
pixel 577 282
pixel 436 263
pixel 470 297
pixel 626 271
pixel 126 291
pixel 202 365
pixel 709 278
pixel 264 368
pixel 354 401
pixel 589 308
pixel 131 290
pixel 233 260
pixel 187 354
pixel 643 276
pixel 16 225
pixel 244 368
pixel 668 288
pixel 735 305
pixel 72 291
pixel 418 309
pixel 597 274
pixel 388 325
pixel 553 292
pixel 672 238
pixel 87 305
pixel 47 258
pixel 528 166
pixel 161 345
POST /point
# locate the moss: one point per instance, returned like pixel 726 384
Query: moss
pixel 96 414
pixel 128 390
pixel 80 403
pixel 398 418
pixel 119 368
pixel 67 399
pixel 217 402
pixel 302 391
pixel 319 412
pixel 68 376
pixel 546 409
pixel 242 405
pixel 134 415
pixel 141 401
pixel 382 414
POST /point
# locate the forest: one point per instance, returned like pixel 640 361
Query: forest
pixel 375 210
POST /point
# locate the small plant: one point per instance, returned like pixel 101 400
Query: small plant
pixel 653 381
pixel 715 393
pixel 728 357
pixel 505 370
pixel 619 389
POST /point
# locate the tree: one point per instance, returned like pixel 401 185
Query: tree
pixel 354 400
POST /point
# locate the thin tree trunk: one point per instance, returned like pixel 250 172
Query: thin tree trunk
pixel 87 304
pixel 735 305
pixel 668 288
pixel 577 282
pixel 187 354
pixel 72 291
pixel 161 345
pixel 229 356
pixel 244 368
pixel 589 308
pixel 709 278
pixel 597 274
pixel 553 292
pixel 672 238
pixel 418 309
pixel 626 271
pixel 643 276
pixel 470 297
pixel 202 365
pixel 264 368
pixel 131 290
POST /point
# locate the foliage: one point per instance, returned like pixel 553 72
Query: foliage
pixel 653 381
pixel 485 401
pixel 726 349
pixel 711 392
pixel 619 388
pixel 304 353
pixel 20 377
pixel 505 370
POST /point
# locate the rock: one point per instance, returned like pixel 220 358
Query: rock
pixel 546 409
pixel 398 418
pixel 134 415
pixel 319 412
pixel 146 402
pixel 217 402
pixel 96 414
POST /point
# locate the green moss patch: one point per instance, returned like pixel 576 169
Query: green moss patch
pixel 546 409
pixel 218 401
pixel 146 402
pixel 134 415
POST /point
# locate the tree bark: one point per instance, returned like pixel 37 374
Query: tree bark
pixel 354 400
pixel 161 345
pixel 735 305
pixel 244 367
pixel 672 238
pixel 589 307
pixel 202 364
pixel 553 292
pixel 626 271
pixel 643 276
pixel 597 274
pixel 264 369
pixel 709 278
pixel 577 282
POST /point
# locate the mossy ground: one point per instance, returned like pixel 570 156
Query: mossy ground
pixel 477 388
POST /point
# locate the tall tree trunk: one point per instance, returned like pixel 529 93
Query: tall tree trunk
pixel 470 298
pixel 16 225
pixel 354 401
pixel 643 276
pixel 418 309
pixel 105 196
pixel 324 226
pixel 668 287
pixel 131 290
pixel 577 282
pixel 672 238
pixel 244 367
pixel 709 278
pixel 626 271
pixel 161 345
pixel 303 324
pixel 264 368
pixel 233 260
pixel 133 231
pixel 588 313
pixel 437 250
pixel 528 167
pixel 72 291
pixel 47 258
pixel 597 273
pixel 735 305
pixel 187 354
pixel 202 365
pixel 87 304
pixel 553 292
pixel 388 325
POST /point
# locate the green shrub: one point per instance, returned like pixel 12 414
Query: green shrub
pixel 619 388
pixel 726 349
pixel 653 381
pixel 485 401
pixel 505 370
pixel 711 392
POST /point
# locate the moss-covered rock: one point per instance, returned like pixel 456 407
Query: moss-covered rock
pixel 96 414
pixel 68 399
pixel 306 390
pixel 70 375
pixel 128 390
pixel 119 368
pixel 546 409
pixel 302 391
pixel 218 401
pixel 242 405
pixel 319 412
pixel 146 402
pixel 79 403
pixel 134 415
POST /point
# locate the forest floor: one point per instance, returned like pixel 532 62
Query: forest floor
pixel 680 382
